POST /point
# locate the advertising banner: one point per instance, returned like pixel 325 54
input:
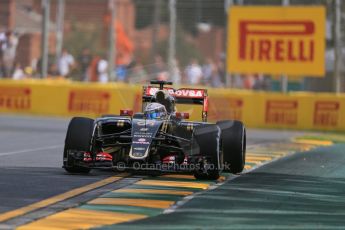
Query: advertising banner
pixel 305 111
pixel 277 40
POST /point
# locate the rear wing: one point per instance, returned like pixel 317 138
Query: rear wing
pixel 182 96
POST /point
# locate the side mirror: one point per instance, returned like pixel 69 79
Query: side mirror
pixel 126 112
pixel 182 115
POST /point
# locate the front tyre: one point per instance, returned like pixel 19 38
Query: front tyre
pixel 78 138
pixel 233 145
pixel 207 138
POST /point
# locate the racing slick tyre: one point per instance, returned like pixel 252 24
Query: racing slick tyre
pixel 78 138
pixel 207 139
pixel 233 139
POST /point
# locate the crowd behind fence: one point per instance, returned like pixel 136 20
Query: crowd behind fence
pixel 80 49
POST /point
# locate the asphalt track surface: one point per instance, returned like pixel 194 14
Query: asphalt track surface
pixel 30 171
pixel 30 165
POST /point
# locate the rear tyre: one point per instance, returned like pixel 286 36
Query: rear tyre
pixel 207 139
pixel 78 138
pixel 233 139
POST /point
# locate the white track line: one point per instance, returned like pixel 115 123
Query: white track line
pixel 31 150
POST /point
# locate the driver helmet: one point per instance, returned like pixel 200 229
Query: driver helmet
pixel 155 111
pixel 163 97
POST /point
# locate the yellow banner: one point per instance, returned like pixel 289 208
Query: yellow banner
pixel 277 40
pixel 311 111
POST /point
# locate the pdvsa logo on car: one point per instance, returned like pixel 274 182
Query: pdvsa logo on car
pixel 192 93
pixel 276 40
pixel 189 93
pixel 15 98
pixel 89 101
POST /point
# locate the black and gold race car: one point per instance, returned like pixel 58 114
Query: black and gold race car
pixel 157 140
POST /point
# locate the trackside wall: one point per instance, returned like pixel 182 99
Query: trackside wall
pixel 312 111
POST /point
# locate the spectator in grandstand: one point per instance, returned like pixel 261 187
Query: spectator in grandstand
pixel 18 72
pixel 84 61
pixel 65 63
pixel 261 82
pixel 238 81
pixel 93 71
pixel 28 72
pixel 8 47
pixel 102 68
pixel 2 40
pixel 123 64
pixel 193 72
pixel 176 73
pixel 248 81
pixel 221 71
pixel 137 74
pixel 121 73
pixel 53 70
pixel 208 69
pixel 215 80
pixel 159 70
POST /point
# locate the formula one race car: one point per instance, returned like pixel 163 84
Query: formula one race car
pixel 158 139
